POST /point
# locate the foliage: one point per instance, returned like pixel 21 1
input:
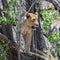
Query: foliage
pixel 4 46
pixel 53 37
pixel 48 16
pixel 11 11
pixel 58 49
pixel 10 18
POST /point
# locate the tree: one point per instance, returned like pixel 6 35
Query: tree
pixel 39 42
pixel 56 4
pixel 38 35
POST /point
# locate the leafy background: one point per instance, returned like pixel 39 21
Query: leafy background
pixel 48 16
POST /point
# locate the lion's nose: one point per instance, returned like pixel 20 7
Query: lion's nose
pixel 36 23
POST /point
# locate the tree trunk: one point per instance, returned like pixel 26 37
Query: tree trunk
pixel 56 4
pixel 7 29
pixel 38 35
pixel 28 5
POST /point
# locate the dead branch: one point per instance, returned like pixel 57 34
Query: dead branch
pixel 40 52
pixel 3 37
pixel 34 54
pixel 13 44
pixel 38 55
pixel 57 2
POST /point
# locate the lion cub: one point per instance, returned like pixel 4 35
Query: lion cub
pixel 26 28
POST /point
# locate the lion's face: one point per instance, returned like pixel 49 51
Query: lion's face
pixel 33 19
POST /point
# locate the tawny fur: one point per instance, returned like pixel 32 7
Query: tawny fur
pixel 26 28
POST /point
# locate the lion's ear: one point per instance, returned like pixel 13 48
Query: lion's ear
pixel 28 15
pixel 36 13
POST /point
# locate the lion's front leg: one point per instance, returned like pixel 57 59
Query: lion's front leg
pixel 27 44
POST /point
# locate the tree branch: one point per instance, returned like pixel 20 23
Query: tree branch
pixel 3 37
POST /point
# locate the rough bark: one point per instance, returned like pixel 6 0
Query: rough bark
pixel 56 4
pixel 7 30
pixel 28 5
pixel 38 36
